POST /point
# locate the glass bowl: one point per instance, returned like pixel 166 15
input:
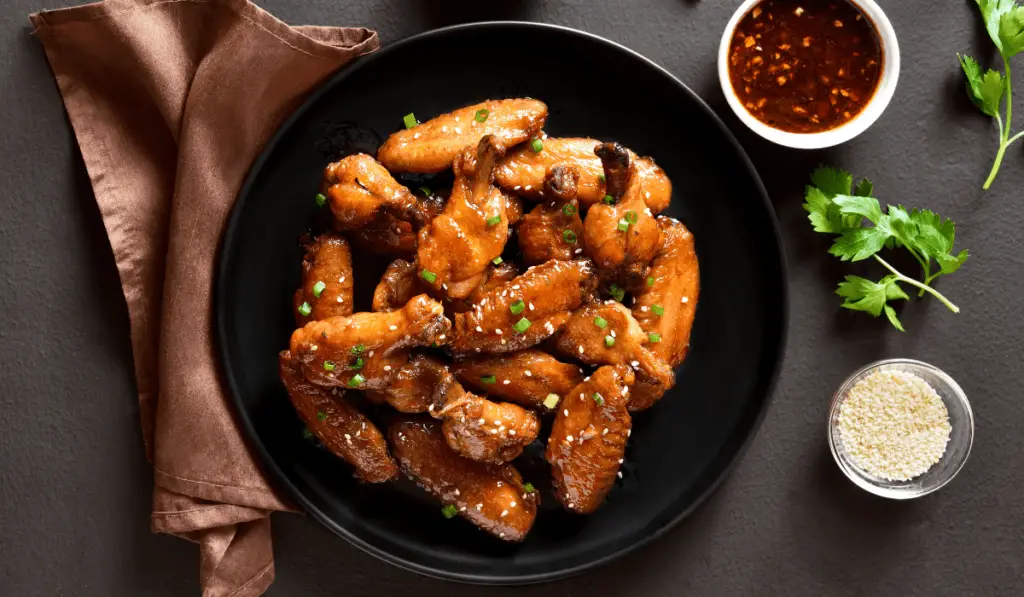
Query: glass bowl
pixel 961 436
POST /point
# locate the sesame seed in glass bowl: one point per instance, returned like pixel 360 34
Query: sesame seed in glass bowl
pixel 900 428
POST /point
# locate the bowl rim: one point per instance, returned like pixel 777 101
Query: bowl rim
pixel 869 115
pixel 897 494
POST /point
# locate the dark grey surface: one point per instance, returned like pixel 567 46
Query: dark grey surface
pixel 75 487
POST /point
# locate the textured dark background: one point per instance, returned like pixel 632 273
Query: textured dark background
pixel 75 486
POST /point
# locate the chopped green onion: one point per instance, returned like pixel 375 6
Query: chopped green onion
pixel 318 288
pixel 654 337
pixel 306 433
pixel 601 178
pixel 517 307
pixel 358 349
pixel 608 200
pixel 357 364
pixel 321 200
pixel 489 379
pixel 494 220
pixel 356 380
pixel 599 399
pixel 569 236
pixel 528 487
pixel 321 416
pixel 616 292
pixel 623 225
pixel 305 309
pixel 600 322
pixel 569 209
pixel 329 365
pixel 609 341
pixel 497 260
pixel 537 145
pixel 522 325
pixel 650 281
pixel 449 511
pixel 426 191
pixel 658 310
pixel 631 217
pixel 551 401
pixel 481 115
pixel 410 120
pixel 429 276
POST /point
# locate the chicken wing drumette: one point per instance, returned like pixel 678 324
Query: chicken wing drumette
pixel 553 228
pixel 622 236
pixel 342 429
pixel 491 496
pixel 326 289
pixel 411 389
pixel 359 189
pixel 527 377
pixel 523 171
pixel 365 350
pixel 433 145
pixel 588 439
pixel 389 234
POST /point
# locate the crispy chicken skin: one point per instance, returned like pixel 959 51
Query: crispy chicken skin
pixel 397 286
pixel 433 145
pixel 327 259
pixel 359 189
pixel 553 229
pixel 387 234
pixel 342 429
pixel 524 170
pixel 480 429
pixel 588 439
pixel 675 290
pixel 373 346
pixel 622 255
pixel 457 246
pixel 548 293
pixel 491 496
pixel 531 376
pixel 584 339
pixel 411 390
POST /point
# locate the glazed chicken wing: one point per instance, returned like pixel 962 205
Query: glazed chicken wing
pixel 433 145
pixel 365 350
pixel 326 289
pixel 397 286
pixel 552 230
pixel 523 171
pixel 667 306
pixel 411 390
pixel 588 439
pixel 388 234
pixel 621 237
pixel 491 496
pixel 359 190
pixel 480 429
pixel 457 246
pixel 526 377
pixel 525 311
pixel 342 429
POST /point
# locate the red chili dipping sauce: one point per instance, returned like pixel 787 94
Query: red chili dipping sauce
pixel 805 66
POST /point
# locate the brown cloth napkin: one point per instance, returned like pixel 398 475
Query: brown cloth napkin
pixel 171 101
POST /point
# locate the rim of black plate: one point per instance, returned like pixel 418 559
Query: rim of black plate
pixel 282 480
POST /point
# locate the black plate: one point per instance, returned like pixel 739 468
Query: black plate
pixel 680 450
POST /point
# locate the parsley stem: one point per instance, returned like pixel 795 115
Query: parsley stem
pixel 1015 138
pixel 917 284
pixel 1004 129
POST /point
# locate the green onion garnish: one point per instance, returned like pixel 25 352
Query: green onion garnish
pixel 481 115
pixel 623 225
pixel 493 220
pixel 616 292
pixel 356 380
pixel 429 276
pixel 318 288
pixel 609 341
pixel 321 416
pixel 599 399
pixel 654 337
pixel 650 281
pixel 328 365
pixel 569 236
pixel 658 310
pixel 522 325
pixel 426 191
pixel 631 217
pixel 569 209
pixel 321 200
pixel 357 364
pixel 600 322
pixel 536 145
pixel 497 260
pixel 410 120
pixel 358 349
pixel 449 511
pixel 305 309
pixel 489 379
pixel 528 487
pixel 551 401
pixel 517 307
pixel 608 200
pixel 601 178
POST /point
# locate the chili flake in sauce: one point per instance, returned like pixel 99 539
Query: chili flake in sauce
pixel 805 66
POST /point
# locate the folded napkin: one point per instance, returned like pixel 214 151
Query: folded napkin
pixel 171 101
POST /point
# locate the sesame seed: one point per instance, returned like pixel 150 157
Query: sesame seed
pixel 620 461
pixel 416 136
pixel 568 438
pixel 581 349
pixel 643 309
pixel 392 327
pixel 511 431
pixel 506 382
pixel 612 333
pixel 456 491
pixel 512 505
pixel 685 299
pixel 494 432
pixel 482 421
pixel 341 300
pixel 566 412
pixel 501 535
pixel 605 432
pixel 444 129
pixel 498 331
pixel 500 483
pixel 629 432
pixel 369 354
pixel 387 367
pixel 504 513
pixel 314 347
pixel 479 507
pixel 528 373
pixel 527 187
pixel 577 251
pixel 531 306
pixel 462 509
pixel 635 364
pixel 619 474
pixel 442 337
pixel 479 329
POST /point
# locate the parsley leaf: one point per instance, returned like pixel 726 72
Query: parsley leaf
pixel 1011 32
pixel 864 188
pixel 986 90
pixel 992 12
pixel 862 294
pixel 824 215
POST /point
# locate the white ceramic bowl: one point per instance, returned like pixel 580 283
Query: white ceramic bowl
pixel 849 130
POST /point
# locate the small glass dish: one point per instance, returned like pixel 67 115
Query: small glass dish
pixel 961 420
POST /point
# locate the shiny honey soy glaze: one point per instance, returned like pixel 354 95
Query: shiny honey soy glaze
pixel 805 66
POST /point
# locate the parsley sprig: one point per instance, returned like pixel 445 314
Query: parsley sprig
pixel 1004 20
pixel 836 206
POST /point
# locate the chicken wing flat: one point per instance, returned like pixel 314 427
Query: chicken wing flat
pixel 525 311
pixel 480 429
pixel 607 334
pixel 526 377
pixel 397 286
pixel 553 229
pixel 433 145
pixel 524 170
pixel 359 189
pixel 621 237
pixel 667 307
pixel 588 439
pixel 387 234
pixel 491 496
pixel 344 431
pixel 326 289
pixel 457 246
pixel 411 390
pixel 365 350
